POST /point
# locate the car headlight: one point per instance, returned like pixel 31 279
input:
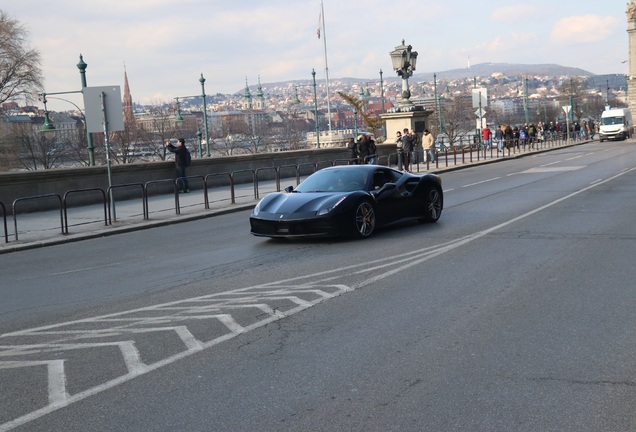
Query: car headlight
pixel 256 210
pixel 327 210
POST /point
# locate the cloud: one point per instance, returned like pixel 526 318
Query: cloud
pixel 584 29
pixel 507 43
pixel 513 13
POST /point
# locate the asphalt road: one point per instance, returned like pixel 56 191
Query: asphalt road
pixel 515 312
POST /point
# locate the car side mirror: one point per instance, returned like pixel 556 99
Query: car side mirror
pixel 289 189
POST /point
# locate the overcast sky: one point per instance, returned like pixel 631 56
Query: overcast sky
pixel 165 45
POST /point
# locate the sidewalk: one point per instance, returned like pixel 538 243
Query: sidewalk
pixel 45 228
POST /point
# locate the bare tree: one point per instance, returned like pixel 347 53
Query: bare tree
pixel 156 128
pixel 456 118
pixel 35 151
pixel 20 73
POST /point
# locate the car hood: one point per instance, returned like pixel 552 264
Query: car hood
pixel 299 203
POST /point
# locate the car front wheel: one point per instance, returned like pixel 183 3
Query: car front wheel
pixel 364 219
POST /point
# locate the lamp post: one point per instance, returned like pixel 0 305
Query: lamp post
pixel 89 137
pixel 404 61
pixel 382 91
pixel 48 128
pixel 313 77
pixel 355 122
pixel 205 116
pixel 438 104
pixel 199 134
pixel 179 117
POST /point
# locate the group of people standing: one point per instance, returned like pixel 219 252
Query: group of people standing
pixel 363 149
pixel 408 143
pixel 528 134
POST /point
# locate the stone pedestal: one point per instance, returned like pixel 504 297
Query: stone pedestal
pixel 416 118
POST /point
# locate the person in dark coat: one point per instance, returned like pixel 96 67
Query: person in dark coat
pixel 352 145
pixel 407 146
pixel 364 149
pixel 181 158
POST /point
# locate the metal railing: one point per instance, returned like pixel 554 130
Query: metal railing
pixel 74 191
pixel 4 220
pixel 35 197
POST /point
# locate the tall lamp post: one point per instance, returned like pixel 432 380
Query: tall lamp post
pixel 404 61
pixel 313 78
pixel 199 134
pixel 179 117
pixel 205 116
pixel 89 137
pixel 382 91
pixel 438 105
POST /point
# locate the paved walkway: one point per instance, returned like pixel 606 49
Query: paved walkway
pixel 46 228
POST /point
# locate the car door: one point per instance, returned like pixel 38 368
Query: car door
pixel 390 201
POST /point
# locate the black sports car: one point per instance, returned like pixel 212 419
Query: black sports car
pixel 348 200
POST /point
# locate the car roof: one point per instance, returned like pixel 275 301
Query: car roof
pixel 362 167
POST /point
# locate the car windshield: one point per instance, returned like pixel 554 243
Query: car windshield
pixel 612 120
pixel 341 180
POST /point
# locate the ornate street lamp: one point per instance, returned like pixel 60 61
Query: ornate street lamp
pixel 48 128
pixel 404 61
pixel 178 117
pixel 89 137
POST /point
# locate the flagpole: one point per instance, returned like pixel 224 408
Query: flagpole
pixel 324 39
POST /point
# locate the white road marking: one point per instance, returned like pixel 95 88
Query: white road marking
pixel 546 169
pixel 481 182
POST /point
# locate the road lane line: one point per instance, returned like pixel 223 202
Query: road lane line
pixel 481 182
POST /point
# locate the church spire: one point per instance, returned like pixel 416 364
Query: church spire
pixel 129 114
pixel 247 103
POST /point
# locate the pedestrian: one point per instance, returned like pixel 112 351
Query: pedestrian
pixel 373 150
pixel 407 146
pixel 417 145
pixel 182 160
pixel 532 135
pixel 400 148
pixel 486 134
pixel 428 144
pixel 499 136
pixel 352 145
pixel 363 148
pixel 508 136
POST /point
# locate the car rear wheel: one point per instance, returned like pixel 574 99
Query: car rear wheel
pixel 364 219
pixel 434 203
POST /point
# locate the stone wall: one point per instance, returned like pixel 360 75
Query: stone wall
pixel 59 181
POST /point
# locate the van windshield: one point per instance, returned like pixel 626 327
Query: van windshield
pixel 612 120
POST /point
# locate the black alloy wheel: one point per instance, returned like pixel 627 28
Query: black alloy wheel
pixel 434 202
pixel 364 219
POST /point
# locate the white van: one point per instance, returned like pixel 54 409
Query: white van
pixel 616 124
